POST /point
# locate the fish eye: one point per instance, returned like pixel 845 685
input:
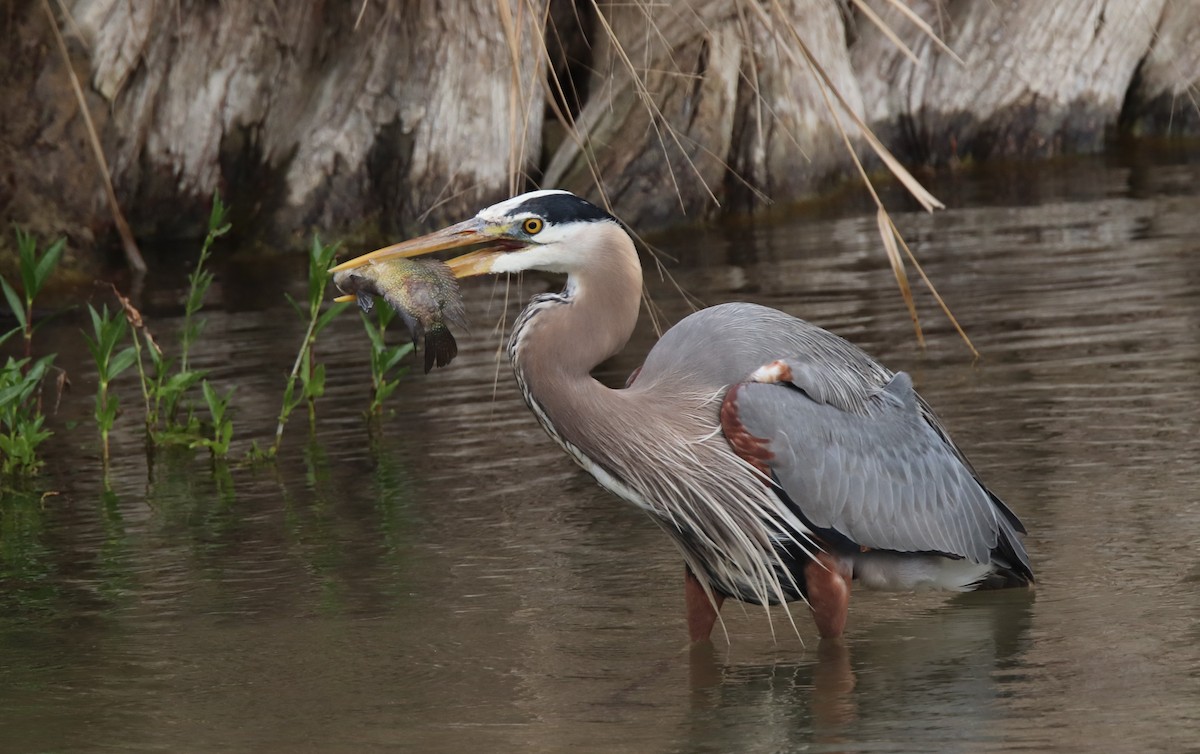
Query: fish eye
pixel 533 225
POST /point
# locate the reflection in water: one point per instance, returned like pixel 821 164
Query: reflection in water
pixel 24 566
pixel 926 681
pixel 451 582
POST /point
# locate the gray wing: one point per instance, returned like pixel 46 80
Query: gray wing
pixel 864 461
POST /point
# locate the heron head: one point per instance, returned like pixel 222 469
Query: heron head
pixel 548 230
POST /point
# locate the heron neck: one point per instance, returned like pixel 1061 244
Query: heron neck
pixel 563 339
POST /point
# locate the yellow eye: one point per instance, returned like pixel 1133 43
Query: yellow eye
pixel 533 225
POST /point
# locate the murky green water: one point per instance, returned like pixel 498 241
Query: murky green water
pixel 457 584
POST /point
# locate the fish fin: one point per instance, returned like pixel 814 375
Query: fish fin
pixel 450 301
pixel 415 329
pixel 440 347
pixel 455 314
pixel 366 302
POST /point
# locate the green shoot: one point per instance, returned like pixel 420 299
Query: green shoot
pixel 200 280
pixel 163 388
pixel 35 270
pixel 384 358
pixel 21 430
pixel 108 331
pixel 167 391
pixel 306 369
pixel 222 426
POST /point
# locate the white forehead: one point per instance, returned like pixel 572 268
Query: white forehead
pixel 498 212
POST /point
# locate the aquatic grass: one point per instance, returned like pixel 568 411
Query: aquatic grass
pixel 109 330
pixel 164 388
pixel 200 280
pixel 307 370
pixel 222 425
pixel 22 427
pixel 166 391
pixel 384 358
pixel 35 269
pixel 22 423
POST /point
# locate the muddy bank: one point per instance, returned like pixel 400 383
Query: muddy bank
pixel 379 119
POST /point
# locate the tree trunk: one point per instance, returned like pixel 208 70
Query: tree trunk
pixel 387 116
pixel 1165 98
pixel 1040 78
pixel 695 105
pixel 421 113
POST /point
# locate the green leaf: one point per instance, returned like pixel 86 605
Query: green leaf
pixel 395 357
pixel 216 218
pixel 27 248
pixel 333 310
pixel 14 303
pixel 288 393
pixel 47 263
pixel 299 310
pixel 122 361
pixel 157 358
pixel 315 387
pixel 97 329
pixel 386 391
pixel 39 367
pixel 181 381
pixel 210 395
pixel 12 394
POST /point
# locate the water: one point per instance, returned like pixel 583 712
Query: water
pixel 457 584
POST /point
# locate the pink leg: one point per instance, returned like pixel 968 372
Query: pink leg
pixel 828 594
pixel 701 614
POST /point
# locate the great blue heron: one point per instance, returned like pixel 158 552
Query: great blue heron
pixel 783 461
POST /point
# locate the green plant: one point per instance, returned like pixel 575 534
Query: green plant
pixel 222 425
pixel 108 330
pixel 199 281
pixel 21 420
pixel 35 270
pixel 140 332
pixel 384 358
pixel 163 387
pixel 306 368
pixel 165 391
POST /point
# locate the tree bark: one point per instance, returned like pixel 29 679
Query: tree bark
pixel 387 116
pixel 304 119
pixel 697 105
pixel 1040 78
pixel 1165 98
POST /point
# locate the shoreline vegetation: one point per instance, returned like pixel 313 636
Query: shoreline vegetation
pixel 369 119
pixel 365 119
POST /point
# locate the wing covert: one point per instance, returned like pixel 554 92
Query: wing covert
pixel 862 460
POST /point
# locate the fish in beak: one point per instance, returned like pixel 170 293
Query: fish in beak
pixel 490 242
pixel 424 292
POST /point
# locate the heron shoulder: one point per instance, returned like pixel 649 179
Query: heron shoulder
pixel 724 344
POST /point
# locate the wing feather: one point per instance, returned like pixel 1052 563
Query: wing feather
pixel 866 464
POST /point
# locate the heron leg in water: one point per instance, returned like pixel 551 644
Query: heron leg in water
pixel 701 612
pixel 827 580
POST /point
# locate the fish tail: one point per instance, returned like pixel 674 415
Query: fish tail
pixel 440 346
